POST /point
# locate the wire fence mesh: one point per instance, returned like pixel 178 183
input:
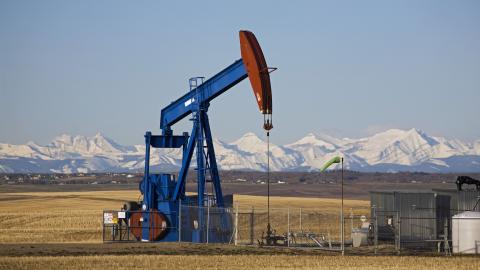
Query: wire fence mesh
pixel 298 226
pixel 292 227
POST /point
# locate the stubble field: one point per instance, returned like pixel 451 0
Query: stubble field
pixel 62 230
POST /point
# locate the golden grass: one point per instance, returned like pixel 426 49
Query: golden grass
pixel 239 262
pixel 57 216
pixel 45 217
pixel 327 205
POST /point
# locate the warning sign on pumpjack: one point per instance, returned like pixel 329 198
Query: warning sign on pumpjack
pixel 108 218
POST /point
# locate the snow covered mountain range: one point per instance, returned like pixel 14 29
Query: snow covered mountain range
pixel 389 151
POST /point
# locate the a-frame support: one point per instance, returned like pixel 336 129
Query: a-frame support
pixel 206 162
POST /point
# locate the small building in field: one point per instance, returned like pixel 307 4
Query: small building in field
pixel 418 218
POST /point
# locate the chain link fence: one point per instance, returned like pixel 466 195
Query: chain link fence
pixel 298 226
pixel 383 232
pixel 238 225
pixel 414 231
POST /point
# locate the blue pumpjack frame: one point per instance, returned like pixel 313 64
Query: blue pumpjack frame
pixel 165 197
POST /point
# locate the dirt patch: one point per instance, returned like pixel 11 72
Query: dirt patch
pixel 89 249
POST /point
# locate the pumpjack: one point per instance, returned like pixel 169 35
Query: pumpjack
pixel 158 216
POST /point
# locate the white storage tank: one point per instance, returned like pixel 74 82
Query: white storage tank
pixel 466 232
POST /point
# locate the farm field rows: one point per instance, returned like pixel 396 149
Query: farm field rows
pixel 51 217
pixel 62 230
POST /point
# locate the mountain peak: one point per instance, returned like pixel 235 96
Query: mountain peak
pixel 312 141
pixel 310 138
pixel 395 132
pixel 416 131
pixel 99 135
pixel 249 134
pixel 63 137
pixel 251 143
pixel 100 138
pixel 249 137
pixel 418 134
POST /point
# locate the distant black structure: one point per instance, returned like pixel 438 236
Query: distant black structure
pixel 418 218
pixel 461 180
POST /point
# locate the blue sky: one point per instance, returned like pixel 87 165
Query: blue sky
pixel 348 68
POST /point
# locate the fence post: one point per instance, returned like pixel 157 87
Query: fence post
pixel 252 224
pixel 395 231
pixel 236 224
pixel 103 226
pixel 288 226
pixel 398 233
pixel 342 231
pixel 375 230
pixel 301 227
pixel 329 240
pixel 179 221
pixel 208 219
pixel 351 222
pixel 446 245
pixel 319 222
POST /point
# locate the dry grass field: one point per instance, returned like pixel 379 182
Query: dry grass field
pixel 33 221
pixel 51 217
pixel 41 217
pixel 239 262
